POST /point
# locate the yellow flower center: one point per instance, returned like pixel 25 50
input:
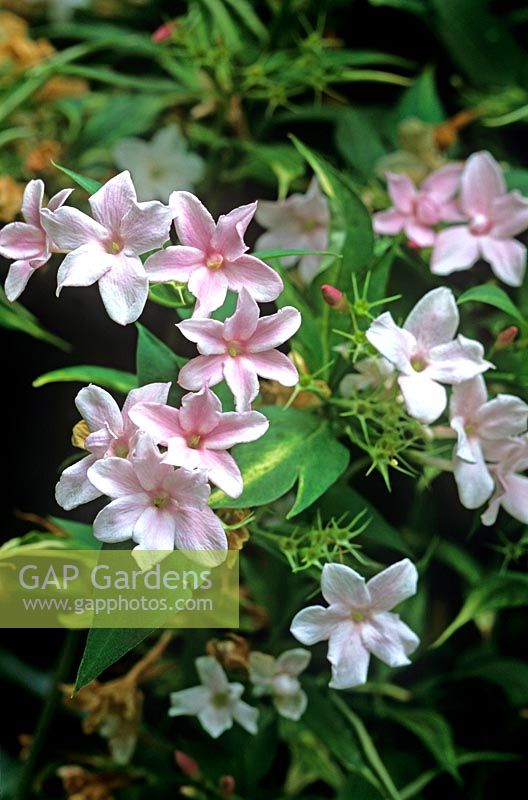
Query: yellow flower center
pixel 215 261
pixel 418 364
pixel 194 440
pixel 161 501
pixel 233 350
pixel 358 616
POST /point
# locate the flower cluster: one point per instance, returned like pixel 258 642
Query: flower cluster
pixel 473 196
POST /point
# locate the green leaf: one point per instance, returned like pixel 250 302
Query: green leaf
pixel 14 316
pixel 517 179
pixel 157 363
pixel 105 646
pixel 505 590
pixel 358 788
pixel 493 296
pixel 297 446
pixel 89 184
pixel 509 674
pixel 326 722
pixel 252 22
pixel 421 100
pixel 266 254
pixel 359 138
pixel 106 377
pixel 434 732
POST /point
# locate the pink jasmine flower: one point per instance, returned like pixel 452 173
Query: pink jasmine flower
pixel 279 677
pixel 106 249
pixel 155 505
pixel 511 486
pixel 198 435
pixel 371 373
pixel 480 424
pixel 425 353
pixel 112 433
pixel 212 256
pixel 28 242
pixel 239 349
pixel 216 702
pixel 358 620
pixel 495 217
pixel 300 222
pixel 417 211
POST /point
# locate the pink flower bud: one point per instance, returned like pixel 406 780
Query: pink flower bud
pixel 506 337
pixel 226 784
pixel 188 765
pixel 333 297
pixel 163 33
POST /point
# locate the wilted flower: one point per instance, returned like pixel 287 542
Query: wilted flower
pixel 198 435
pixel 300 222
pixel 240 349
pixel 358 621
pixel 279 677
pixel 212 256
pixel 161 165
pixel 425 353
pixel 495 217
pixel 480 425
pixel 216 702
pixel 111 433
pixel 107 249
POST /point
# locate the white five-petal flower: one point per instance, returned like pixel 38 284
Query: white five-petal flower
pixel 279 677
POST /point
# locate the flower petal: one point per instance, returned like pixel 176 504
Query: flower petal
pixel 22 241
pixel 246 716
pixel 32 202
pixel 510 215
pixel 154 530
pixel 173 264
pixel 201 370
pixel 344 587
pixel 145 226
pixel 425 400
pixel 201 413
pixel 241 325
pixel 249 272
pixel 99 409
pixel 402 191
pixel 294 661
pixel 434 319
pixel 17 278
pixel 228 238
pixel 189 701
pixel 207 334
pixel 241 377
pixel 124 289
pixel 467 398
pixel 210 289
pixel 502 417
pixel 111 203
pixel 234 428
pixel 389 222
pixel 274 330
pixel 74 488
pixel 194 224
pixel 315 624
pixel 115 523
pixel 158 420
pixel 443 182
pixel 211 674
pixel 348 656
pixel 394 585
pixel 274 366
pixel 69 228
pixel 457 361
pixel 189 488
pixel 481 182
pixel 507 258
pixel 115 477
pixel 455 249
pixel 199 529
pixel 222 470
pixel 389 639
pixel 84 266
pixel 150 393
pixel 474 481
pixel 58 199
pixel 291 706
pixel 420 235
pixel 393 342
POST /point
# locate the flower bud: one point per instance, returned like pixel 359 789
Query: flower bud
pixel 163 33
pixel 188 765
pixel 333 297
pixel 506 337
pixel 226 784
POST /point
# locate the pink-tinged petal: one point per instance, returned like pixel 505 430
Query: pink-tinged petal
pixel 270 213
pixel 200 413
pixel 389 639
pixel 69 228
pixel 394 585
pixel 451 212
pixel 424 399
pixel 241 377
pixel 145 226
pixel 235 428
pixel 507 258
pixel 242 324
pixel 210 289
pixel 489 517
pixel 389 222
pixel 211 674
pixel 124 289
pixel 32 202
pixel 222 470
pixel 154 530
pixel 246 716
pixel 116 522
pixel 201 370
pixel 515 500
pixel 420 235
pixel 115 477
pixel 17 278
pixel 199 530
pixel 457 361
pixel 158 420
pixel 468 397
pixel 22 241
pixel 173 264
pixel 502 417
pixel 274 330
pixel 58 199
pixel 228 238
pixel 275 366
pixel 99 442
pixel 84 266
pixel 179 454
pixel 315 624
pixel 74 488
pixel 264 283
pixel 474 481
pixel 396 344
pixel 189 488
pixel 287 238
pixel 189 701
pixel 310 266
pixel 112 201
pixel 481 182
pixel 434 319
pixel 293 662
pixel 99 409
pixel 465 445
pixel 348 656
pixel 510 215
pixel 194 224
pixel 343 587
pixel 402 192
pixel 207 334
pixel 443 182
pixel 455 249
pixel 150 393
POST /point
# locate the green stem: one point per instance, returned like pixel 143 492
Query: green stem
pixel 62 670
